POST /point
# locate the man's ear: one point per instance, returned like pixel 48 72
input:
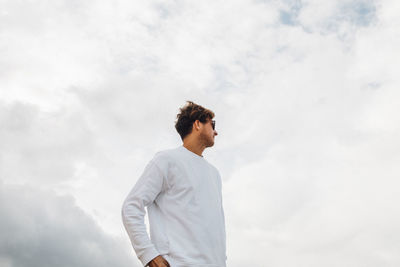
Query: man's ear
pixel 196 124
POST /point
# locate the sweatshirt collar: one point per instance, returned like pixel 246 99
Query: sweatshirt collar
pixel 190 152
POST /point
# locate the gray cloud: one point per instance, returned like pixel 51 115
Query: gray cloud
pixel 39 229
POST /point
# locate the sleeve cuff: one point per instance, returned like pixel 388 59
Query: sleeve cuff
pixel 149 254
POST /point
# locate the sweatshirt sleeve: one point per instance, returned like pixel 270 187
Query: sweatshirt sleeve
pixel 146 189
pixel 222 211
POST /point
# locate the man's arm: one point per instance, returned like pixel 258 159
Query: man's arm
pixel 146 189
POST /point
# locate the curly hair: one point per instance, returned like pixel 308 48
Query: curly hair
pixel 189 114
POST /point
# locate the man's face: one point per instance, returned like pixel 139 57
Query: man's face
pixel 207 134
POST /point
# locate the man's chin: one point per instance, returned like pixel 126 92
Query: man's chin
pixel 208 142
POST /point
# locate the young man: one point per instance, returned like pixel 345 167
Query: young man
pixel 182 193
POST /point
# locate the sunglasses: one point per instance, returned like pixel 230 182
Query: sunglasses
pixel 213 124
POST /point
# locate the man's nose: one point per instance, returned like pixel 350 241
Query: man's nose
pixel 215 132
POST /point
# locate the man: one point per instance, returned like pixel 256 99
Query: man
pixel 182 193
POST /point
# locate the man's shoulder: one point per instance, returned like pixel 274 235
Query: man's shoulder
pixel 166 155
pixel 214 168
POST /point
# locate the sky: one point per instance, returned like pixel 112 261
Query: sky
pixel 306 101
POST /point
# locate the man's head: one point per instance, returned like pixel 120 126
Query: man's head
pixel 195 122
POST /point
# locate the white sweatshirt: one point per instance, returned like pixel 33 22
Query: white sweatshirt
pixel 182 193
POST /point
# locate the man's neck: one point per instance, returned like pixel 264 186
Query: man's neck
pixel 195 148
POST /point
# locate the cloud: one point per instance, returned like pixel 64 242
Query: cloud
pixel 39 228
pixel 328 203
pixel 40 147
